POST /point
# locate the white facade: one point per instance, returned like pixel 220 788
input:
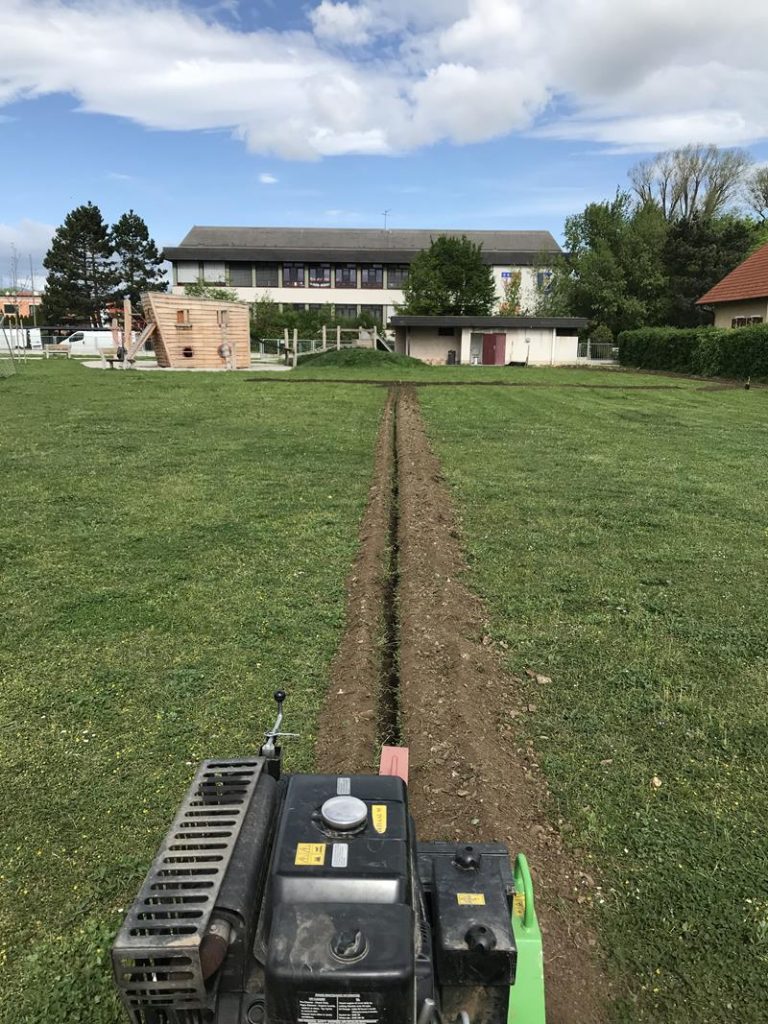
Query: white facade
pixel 545 343
pixel 388 299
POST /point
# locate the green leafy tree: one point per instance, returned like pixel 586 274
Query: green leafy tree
pixel 81 272
pixel 698 253
pixel 201 290
pixel 510 300
pixel 449 278
pixel 614 273
pixel 138 261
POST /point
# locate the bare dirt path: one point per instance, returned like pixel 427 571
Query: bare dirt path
pixel 471 779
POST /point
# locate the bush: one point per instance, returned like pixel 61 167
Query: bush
pixel 705 351
pixel 357 357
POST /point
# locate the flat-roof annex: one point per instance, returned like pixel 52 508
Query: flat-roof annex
pixel 490 322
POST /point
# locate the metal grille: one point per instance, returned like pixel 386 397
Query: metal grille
pixel 156 955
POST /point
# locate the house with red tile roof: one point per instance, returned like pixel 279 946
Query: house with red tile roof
pixel 741 298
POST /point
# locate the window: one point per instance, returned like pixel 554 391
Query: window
pixel 214 273
pixel 320 275
pixel 267 275
pixel 240 275
pixel 346 276
pixel 222 317
pixel 543 280
pixel 373 314
pixel 182 318
pixel 187 273
pixel 293 275
pixel 300 307
pixel 446 332
pixel 397 276
pixel 746 321
pixel 345 312
pixel 372 276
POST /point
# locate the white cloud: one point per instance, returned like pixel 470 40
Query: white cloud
pixel 267 179
pixel 28 239
pixel 386 76
pixel 342 22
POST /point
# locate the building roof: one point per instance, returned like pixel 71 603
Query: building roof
pixel 748 281
pixel 576 322
pixel 350 244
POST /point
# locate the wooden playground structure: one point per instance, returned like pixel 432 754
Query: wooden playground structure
pixel 197 334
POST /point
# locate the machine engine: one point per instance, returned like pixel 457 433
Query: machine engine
pixel 301 899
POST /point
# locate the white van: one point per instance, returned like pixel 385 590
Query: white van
pixel 89 343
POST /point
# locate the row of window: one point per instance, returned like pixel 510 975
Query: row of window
pixel 340 311
pixel 294 275
pixel 746 321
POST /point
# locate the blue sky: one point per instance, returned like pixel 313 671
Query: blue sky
pixel 457 113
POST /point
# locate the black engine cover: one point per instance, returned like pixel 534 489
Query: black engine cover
pixel 342 930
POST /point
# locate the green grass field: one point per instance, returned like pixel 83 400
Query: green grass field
pixel 621 540
pixel 173 549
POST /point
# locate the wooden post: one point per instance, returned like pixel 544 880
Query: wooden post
pixel 127 333
pixel 338 337
pixel 295 347
pixel 287 344
pixel 325 337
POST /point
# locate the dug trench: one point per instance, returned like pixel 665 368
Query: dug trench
pixel 415 666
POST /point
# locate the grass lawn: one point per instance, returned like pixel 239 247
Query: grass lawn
pixel 173 549
pixel 620 539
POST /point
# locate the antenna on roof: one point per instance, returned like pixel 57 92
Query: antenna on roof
pixel 385 214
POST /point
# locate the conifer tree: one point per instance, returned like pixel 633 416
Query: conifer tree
pixel 138 261
pixel 81 274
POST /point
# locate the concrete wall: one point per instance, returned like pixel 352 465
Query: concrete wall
pixel 726 311
pixel 426 344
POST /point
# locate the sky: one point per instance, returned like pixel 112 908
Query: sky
pixel 496 114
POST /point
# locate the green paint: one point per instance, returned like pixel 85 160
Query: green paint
pixel 526 996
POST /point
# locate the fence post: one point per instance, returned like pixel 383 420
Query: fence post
pixel 295 347
pixel 325 337
pixel 589 348
pixel 338 337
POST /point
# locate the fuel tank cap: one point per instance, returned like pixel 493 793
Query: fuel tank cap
pixel 344 812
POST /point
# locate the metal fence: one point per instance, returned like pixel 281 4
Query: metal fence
pixel 598 351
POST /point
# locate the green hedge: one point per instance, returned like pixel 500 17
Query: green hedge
pixel 705 351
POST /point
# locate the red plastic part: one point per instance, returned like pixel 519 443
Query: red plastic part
pixel 394 761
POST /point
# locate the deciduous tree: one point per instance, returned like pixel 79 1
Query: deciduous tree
pixel 693 181
pixel 449 278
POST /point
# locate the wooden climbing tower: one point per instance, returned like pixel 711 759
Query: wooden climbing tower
pixel 198 334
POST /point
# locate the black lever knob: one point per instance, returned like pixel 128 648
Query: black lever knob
pixel 279 696
pixel 480 939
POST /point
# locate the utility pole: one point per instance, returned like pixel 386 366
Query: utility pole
pixel 32 289
pixel 385 214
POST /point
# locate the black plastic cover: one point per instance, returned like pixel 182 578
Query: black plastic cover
pixel 468 890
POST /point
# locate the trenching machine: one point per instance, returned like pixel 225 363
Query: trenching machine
pixel 282 898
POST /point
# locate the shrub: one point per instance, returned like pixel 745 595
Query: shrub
pixel 706 351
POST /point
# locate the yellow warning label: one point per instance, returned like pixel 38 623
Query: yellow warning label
pixel 518 904
pixel 310 854
pixel 379 815
pixel 471 899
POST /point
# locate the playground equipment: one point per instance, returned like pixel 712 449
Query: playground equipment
pixel 202 334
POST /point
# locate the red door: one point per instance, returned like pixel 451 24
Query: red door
pixel 493 349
